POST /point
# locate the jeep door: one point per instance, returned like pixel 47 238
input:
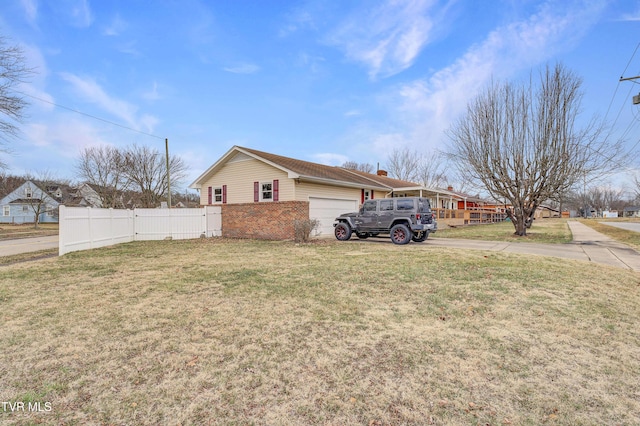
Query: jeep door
pixel 385 216
pixel 368 217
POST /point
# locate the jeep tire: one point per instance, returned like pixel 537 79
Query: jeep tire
pixel 420 236
pixel 342 231
pixel 400 234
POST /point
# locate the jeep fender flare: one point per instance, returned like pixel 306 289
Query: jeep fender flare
pixel 346 220
pixel 401 221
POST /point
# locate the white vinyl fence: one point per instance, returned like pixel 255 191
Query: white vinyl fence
pixel 83 228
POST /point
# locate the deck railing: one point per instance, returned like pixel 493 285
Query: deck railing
pixel 467 217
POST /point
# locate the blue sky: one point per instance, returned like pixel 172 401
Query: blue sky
pixel 323 81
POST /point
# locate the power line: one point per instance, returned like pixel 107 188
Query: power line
pixel 629 63
pixel 92 116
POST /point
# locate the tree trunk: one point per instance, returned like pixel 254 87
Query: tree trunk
pixel 519 221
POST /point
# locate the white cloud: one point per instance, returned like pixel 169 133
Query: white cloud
pixel 66 135
pixel 31 10
pixel 77 12
pixel 297 21
pixel 93 92
pixel 116 27
pixel 330 159
pixel 422 110
pixel 244 68
pixel 152 95
pixel 312 62
pixel 634 16
pixel 388 38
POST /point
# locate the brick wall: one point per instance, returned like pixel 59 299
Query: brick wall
pixel 263 221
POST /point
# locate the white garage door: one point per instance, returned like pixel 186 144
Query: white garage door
pixel 327 209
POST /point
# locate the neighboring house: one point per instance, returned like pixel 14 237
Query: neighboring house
pixel 32 197
pixel 262 194
pixel 89 192
pixel 545 211
pixel 632 211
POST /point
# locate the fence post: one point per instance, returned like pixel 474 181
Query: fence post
pixel 111 224
pixel 61 228
pixel 89 220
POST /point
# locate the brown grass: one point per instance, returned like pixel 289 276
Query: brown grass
pixel 628 237
pixel 242 332
pixel 549 231
pixel 9 231
pixel 26 257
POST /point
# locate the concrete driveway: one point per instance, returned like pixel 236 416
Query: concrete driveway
pixel 26 245
pixel 629 226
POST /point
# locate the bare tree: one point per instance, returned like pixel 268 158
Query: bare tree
pixel 13 71
pixel 605 197
pixel 361 167
pixel 524 144
pixel 8 183
pixel 104 168
pixel 46 190
pixel 404 164
pixel 431 172
pixel 147 171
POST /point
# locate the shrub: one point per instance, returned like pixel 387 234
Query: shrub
pixel 303 229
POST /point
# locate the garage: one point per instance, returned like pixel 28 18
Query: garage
pixel 327 209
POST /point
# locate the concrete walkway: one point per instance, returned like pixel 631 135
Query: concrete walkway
pixel 588 245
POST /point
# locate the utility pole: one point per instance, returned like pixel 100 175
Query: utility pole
pixel 166 147
pixel 636 99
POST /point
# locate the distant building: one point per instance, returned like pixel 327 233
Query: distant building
pixel 39 199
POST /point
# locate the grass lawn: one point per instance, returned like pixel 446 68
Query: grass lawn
pixel 9 231
pixel 622 235
pixel 542 231
pixel 246 332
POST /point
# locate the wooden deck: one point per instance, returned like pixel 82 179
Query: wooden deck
pixel 468 217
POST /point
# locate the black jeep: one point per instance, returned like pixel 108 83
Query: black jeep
pixel 404 219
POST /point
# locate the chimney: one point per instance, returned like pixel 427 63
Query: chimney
pixel 382 172
pixel 450 188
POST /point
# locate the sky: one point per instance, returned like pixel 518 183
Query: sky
pixel 320 80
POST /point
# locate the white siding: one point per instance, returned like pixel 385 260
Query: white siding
pixel 239 173
pixel 306 190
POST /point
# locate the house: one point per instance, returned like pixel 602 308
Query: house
pixel 263 194
pixel 40 199
pixel 631 211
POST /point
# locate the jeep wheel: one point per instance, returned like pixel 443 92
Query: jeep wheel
pixel 400 234
pixel 419 237
pixel 362 235
pixel 342 231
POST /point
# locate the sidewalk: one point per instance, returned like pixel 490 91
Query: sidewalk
pixel 603 249
pixel 587 245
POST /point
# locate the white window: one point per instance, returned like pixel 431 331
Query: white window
pixel 217 195
pixel 6 210
pixel 50 210
pixel 266 191
pixel 25 208
pixel 28 192
pixel 367 194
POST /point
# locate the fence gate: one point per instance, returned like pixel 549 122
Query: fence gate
pixel 214 221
